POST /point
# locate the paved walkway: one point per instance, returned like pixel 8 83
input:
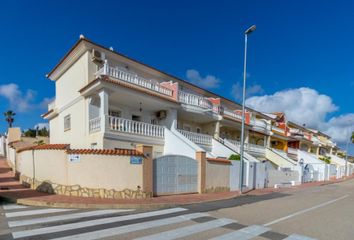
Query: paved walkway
pixel 11 190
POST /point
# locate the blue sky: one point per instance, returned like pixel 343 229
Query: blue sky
pixel 300 55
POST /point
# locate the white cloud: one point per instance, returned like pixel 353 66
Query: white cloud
pixel 340 128
pixel 44 103
pixel 21 101
pixel 302 105
pixel 209 81
pixel 252 90
pixel 306 106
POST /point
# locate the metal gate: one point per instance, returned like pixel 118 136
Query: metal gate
pixel 175 174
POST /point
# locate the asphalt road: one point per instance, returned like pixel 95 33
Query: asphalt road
pixel 325 212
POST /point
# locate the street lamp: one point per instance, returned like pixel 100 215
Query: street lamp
pixel 248 31
pixel 346 157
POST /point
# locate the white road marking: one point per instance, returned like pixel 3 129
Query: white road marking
pixel 298 237
pixel 189 230
pixel 13 206
pixel 36 212
pixel 33 221
pixel 132 227
pixel 244 233
pixel 305 210
pixel 90 223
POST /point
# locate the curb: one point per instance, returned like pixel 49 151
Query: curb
pixel 141 206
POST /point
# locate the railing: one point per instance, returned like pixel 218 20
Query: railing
pixel 278 129
pixel 232 114
pixel 292 151
pixel 248 146
pixel 122 74
pixel 135 127
pixel 198 138
pixel 192 99
pixel 95 124
pixel 262 125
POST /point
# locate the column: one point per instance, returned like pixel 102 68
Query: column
pixel 247 136
pixel 217 130
pixel 171 119
pixel 201 158
pixel 104 109
pixel 268 144
pixel 147 185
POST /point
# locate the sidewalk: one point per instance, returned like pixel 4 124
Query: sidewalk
pixel 11 190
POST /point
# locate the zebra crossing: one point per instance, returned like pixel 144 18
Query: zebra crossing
pixel 173 223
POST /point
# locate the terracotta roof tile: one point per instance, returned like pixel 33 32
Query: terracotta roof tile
pixel 121 152
pixel 219 160
pixel 47 113
pixel 45 147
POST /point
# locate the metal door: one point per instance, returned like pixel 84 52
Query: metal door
pixel 175 174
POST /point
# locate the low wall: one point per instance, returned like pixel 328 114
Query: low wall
pixel 217 176
pixel 279 177
pixel 87 175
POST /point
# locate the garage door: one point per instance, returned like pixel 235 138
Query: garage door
pixel 175 174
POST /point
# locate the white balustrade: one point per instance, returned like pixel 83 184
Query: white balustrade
pixel 135 127
pixel 249 147
pixel 278 129
pixel 292 151
pixel 232 114
pixel 126 76
pixel 192 99
pixel 95 124
pixel 198 138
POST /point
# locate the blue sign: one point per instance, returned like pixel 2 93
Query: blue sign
pixel 136 160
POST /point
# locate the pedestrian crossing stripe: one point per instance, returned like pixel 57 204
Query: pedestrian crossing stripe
pixel 189 230
pixel 90 223
pixel 36 212
pixel 110 232
pixel 71 216
pixel 31 228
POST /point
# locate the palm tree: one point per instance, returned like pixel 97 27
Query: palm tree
pixel 9 117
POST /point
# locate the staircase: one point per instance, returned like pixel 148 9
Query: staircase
pixel 235 149
pixel 279 158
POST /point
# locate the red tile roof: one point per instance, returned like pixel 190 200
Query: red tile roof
pixel 122 152
pixel 46 147
pixel 219 160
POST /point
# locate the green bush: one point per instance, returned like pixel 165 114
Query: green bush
pixel 325 159
pixel 235 157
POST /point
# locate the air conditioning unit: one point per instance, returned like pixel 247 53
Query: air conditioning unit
pixel 97 56
pixel 161 114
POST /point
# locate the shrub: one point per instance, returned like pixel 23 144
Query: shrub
pixel 235 157
pixel 326 159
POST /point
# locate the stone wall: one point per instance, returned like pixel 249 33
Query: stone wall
pixel 78 191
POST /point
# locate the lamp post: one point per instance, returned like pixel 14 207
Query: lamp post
pixel 346 158
pixel 248 31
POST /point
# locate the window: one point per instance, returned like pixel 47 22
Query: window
pixel 115 113
pixel 67 122
pixel 136 118
pixel 198 130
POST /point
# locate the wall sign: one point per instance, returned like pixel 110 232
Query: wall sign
pixel 74 158
pixel 136 160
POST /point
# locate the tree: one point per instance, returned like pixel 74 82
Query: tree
pixel 352 137
pixel 9 117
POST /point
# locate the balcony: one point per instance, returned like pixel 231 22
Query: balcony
pixel 259 125
pixel 197 138
pixel 95 124
pixel 134 127
pixel 233 114
pixel 132 78
pixel 249 147
pixel 116 124
pixel 278 129
pixel 194 100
